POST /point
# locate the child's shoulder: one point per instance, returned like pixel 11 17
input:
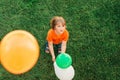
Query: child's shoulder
pixel 66 31
pixel 50 31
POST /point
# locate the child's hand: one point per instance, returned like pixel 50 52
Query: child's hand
pixel 53 58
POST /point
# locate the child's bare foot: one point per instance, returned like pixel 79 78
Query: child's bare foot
pixel 47 51
pixel 59 50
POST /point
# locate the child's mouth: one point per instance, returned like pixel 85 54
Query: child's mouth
pixel 61 30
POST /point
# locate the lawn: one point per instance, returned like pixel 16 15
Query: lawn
pixel 94 43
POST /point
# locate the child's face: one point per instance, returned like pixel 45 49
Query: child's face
pixel 59 28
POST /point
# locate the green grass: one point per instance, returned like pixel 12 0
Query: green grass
pixel 94 27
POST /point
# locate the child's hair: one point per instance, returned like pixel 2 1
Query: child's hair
pixel 57 19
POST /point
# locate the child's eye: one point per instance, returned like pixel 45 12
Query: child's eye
pixel 59 26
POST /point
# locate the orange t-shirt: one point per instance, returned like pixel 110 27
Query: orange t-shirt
pixel 56 39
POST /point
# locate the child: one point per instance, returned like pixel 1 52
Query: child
pixel 57 35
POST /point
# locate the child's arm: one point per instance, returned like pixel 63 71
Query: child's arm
pixel 63 47
pixel 50 44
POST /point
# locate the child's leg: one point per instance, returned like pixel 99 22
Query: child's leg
pixel 59 48
pixel 47 48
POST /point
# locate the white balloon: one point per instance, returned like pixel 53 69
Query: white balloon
pixel 64 74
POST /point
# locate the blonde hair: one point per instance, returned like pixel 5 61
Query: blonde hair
pixel 57 19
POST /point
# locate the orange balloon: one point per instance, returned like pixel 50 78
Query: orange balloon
pixel 19 51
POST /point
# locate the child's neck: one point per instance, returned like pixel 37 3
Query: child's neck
pixel 57 33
